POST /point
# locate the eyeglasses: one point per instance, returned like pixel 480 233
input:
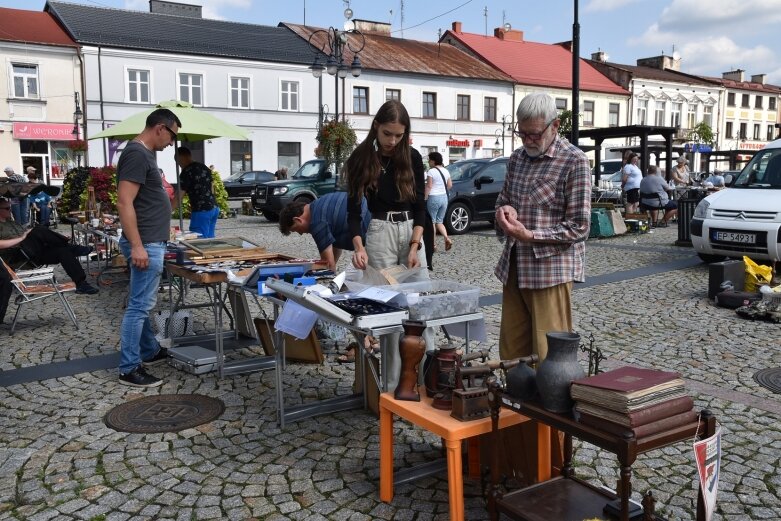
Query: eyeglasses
pixel 173 134
pixel 532 137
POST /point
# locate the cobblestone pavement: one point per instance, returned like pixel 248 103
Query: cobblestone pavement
pixel 58 461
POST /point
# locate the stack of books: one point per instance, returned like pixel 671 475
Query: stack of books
pixel 635 400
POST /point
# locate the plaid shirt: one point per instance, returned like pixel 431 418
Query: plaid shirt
pixel 552 195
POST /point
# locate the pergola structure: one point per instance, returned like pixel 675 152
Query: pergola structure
pixel 642 131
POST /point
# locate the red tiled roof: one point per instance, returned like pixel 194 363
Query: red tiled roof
pixel 386 53
pixel 17 25
pixel 533 63
pixel 747 85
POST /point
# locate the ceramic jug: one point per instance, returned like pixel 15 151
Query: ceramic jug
pixel 558 370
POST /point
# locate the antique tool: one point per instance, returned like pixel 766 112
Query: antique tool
pixel 471 403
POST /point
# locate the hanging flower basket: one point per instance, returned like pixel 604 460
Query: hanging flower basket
pixel 336 141
pixel 78 145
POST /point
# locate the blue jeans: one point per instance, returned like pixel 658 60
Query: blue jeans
pixel 21 210
pixel 205 222
pixel 437 206
pixel 136 339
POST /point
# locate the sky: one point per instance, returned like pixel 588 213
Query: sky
pixel 710 36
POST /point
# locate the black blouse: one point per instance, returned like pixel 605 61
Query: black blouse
pixel 386 197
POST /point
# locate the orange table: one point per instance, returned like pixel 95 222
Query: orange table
pixel 452 431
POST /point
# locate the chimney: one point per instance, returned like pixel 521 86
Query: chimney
pixel 736 75
pixel 661 62
pixel 599 56
pixel 513 35
pixel 759 78
pixel 175 8
pixel 368 26
pixel 456 27
pixel 567 45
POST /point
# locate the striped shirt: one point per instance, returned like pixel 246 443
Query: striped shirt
pixel 328 224
pixel 552 195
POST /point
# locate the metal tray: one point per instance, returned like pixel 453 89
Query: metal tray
pixel 386 315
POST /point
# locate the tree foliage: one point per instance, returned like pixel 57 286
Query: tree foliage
pixel 565 125
pixel 702 133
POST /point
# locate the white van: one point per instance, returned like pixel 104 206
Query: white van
pixel 744 219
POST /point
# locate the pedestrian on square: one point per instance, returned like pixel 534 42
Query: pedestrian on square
pixel 630 183
pixel 390 175
pixel 438 185
pixel 145 214
pixel 196 180
pixel 543 214
pixel 20 206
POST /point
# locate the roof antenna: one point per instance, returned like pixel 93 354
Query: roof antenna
pixel 485 15
pixel 401 7
pixel 439 40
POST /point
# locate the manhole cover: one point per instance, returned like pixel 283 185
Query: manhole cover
pixel 769 378
pixel 164 413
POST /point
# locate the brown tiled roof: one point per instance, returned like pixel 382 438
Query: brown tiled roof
pixel 667 75
pixel 748 85
pixel 386 53
pixel 17 25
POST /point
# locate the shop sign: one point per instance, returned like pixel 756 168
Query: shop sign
pixel 461 143
pixel 44 131
pixel 752 146
pixel 697 147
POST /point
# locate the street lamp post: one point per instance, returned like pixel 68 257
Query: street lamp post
pixel 77 116
pixel 336 42
pixel 507 127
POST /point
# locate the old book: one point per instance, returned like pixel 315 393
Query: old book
pixel 628 388
pixel 640 416
pixel 643 430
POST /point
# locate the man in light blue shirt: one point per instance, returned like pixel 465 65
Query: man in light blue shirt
pixel 653 195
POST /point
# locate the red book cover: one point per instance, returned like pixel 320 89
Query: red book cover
pixel 643 430
pixel 640 416
pixel 628 379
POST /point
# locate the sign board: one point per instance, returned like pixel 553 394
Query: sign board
pixel 44 131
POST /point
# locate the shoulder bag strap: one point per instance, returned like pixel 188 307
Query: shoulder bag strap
pixel 444 182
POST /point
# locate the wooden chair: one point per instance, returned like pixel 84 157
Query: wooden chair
pixel 38 284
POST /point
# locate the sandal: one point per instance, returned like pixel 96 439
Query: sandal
pixel 448 244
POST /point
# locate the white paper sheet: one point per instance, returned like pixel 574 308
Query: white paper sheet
pixel 295 320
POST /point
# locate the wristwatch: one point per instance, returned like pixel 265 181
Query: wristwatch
pixel 417 243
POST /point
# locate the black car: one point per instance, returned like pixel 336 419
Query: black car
pixel 476 184
pixel 241 185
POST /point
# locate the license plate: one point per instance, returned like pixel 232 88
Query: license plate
pixel 739 237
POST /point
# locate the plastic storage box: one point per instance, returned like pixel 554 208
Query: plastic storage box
pixel 448 299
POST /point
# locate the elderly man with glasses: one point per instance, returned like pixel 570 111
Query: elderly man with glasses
pixel 544 214
pixel 145 214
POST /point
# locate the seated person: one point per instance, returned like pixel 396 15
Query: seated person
pixel 653 184
pixel 716 180
pixel 326 219
pixel 42 246
pixel 41 202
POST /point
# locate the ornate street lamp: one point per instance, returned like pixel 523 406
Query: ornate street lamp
pixel 77 116
pixel 335 41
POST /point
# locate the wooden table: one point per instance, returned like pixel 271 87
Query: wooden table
pixel 452 431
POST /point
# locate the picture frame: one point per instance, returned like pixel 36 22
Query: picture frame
pixel 307 350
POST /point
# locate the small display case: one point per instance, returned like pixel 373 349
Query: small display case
pixel 433 299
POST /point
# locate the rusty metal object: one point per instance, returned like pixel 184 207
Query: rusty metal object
pixel 470 404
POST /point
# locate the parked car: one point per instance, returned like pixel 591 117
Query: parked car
pixel 476 184
pixel 241 185
pixel 313 179
pixel 744 218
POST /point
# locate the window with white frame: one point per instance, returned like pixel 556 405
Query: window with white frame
pixel 462 107
pixel 239 92
pixel 360 100
pixel 137 86
pixel 771 103
pixel 25 80
pixel 489 109
pixel 707 115
pixel 770 131
pixel 757 130
pixel 288 95
pixel 613 114
pixel 191 88
pixel 743 131
pixel 642 111
pixel 393 94
pixel 588 113
pixel 659 113
pixel 561 104
pixel 429 105
pixel 691 116
pixel 675 114
pixel 744 101
pixel 758 101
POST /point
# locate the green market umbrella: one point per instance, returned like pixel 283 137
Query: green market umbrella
pixel 197 125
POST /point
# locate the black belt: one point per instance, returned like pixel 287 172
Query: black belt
pixel 394 217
